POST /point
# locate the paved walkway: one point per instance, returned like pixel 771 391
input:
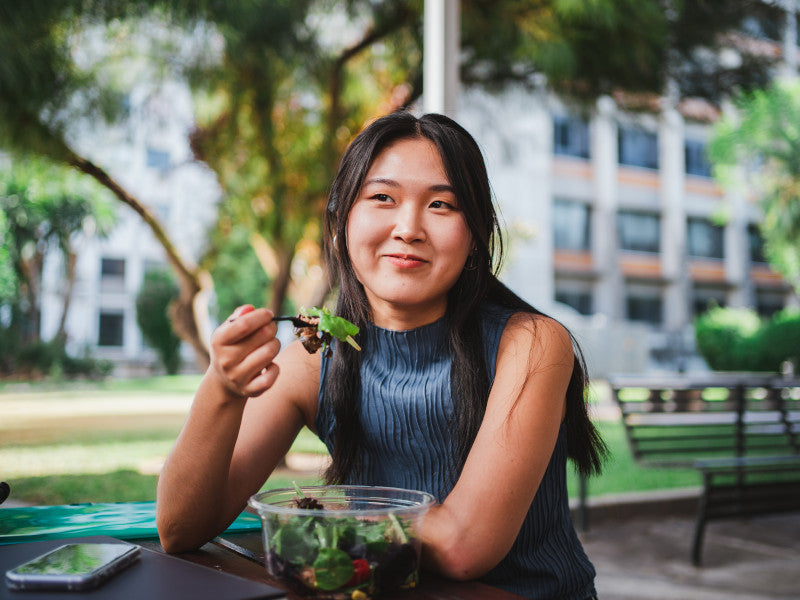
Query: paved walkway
pixel 647 557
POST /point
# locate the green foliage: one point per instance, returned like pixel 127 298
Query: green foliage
pixel 8 278
pixel 42 89
pixel 780 339
pixel 758 149
pixel 587 48
pixel 44 208
pixel 158 291
pixel 37 359
pixel 726 336
pixel 238 276
pixel 124 485
pixel 737 339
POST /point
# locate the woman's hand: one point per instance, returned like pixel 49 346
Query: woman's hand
pixel 242 352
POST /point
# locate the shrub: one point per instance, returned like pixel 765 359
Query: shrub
pixel 780 339
pixel 728 337
pixel 39 359
pixel 737 339
pixel 152 303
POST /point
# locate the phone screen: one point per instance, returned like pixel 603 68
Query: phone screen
pixel 73 566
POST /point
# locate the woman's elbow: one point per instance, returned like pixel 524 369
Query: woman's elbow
pixel 458 560
pixel 175 536
pixel 173 542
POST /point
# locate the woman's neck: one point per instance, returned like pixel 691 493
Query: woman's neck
pixel 403 318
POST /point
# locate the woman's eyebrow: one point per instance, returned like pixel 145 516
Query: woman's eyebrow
pixel 437 187
pixel 382 180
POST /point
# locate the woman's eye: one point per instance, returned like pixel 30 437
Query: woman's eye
pixel 442 204
pixel 381 197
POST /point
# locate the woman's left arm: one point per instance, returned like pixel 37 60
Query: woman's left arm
pixel 476 525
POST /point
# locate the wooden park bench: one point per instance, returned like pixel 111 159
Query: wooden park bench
pixel 741 431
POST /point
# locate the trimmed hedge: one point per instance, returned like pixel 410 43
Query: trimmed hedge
pixel 152 306
pixel 737 339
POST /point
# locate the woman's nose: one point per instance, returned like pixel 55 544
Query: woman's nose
pixel 409 226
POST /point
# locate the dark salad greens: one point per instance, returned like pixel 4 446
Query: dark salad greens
pixel 341 557
pixel 322 327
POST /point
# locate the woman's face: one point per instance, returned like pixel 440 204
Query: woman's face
pixel 407 238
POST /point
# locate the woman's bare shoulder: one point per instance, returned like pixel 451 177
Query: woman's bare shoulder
pixel 537 332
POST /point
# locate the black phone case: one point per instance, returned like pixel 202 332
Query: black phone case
pixel 24 581
pixel 156 576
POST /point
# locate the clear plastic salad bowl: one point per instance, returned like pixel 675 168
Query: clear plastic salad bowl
pixel 342 542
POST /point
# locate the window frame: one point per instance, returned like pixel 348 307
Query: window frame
pixel 622 214
pixel 571 136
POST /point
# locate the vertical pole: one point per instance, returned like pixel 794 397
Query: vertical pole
pixel 441 44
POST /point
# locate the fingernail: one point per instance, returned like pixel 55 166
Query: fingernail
pixel 241 310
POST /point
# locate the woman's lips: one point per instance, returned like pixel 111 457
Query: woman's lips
pixel 405 261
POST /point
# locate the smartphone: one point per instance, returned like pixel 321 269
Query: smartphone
pixel 78 566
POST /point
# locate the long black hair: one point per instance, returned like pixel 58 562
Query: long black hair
pixel 478 283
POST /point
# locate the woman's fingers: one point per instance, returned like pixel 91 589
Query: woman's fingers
pixel 243 349
pixel 241 310
pixel 258 359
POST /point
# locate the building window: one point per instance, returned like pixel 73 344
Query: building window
pixel 797 28
pixel 696 159
pixel 766 26
pixel 639 232
pixel 571 225
pixel 707 297
pixel 768 302
pixel 111 328
pixel 579 300
pixel 637 147
pixel 704 239
pixel 755 244
pixel 644 308
pixel 112 274
pixel 571 136
pixel 112 268
pixel 158 159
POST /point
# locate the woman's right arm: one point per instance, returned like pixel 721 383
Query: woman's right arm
pixel 242 422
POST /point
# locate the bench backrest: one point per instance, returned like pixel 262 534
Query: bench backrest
pixel 677 421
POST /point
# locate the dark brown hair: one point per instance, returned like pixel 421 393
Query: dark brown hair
pixel 466 171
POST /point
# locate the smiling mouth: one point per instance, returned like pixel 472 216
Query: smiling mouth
pixel 406 260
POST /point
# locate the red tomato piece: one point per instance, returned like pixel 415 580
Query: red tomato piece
pixel 360 572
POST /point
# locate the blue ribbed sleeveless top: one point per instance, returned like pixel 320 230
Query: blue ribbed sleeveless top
pixel 405 415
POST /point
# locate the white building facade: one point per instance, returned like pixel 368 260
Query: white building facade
pixel 614 213
pixel 149 156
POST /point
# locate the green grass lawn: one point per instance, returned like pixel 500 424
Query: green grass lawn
pixel 104 442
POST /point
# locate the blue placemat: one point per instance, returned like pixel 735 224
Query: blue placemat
pixel 122 520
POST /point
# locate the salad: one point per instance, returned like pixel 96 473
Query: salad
pixel 322 326
pixel 340 557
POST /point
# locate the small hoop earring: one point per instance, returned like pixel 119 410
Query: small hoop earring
pixel 472 264
pixel 334 242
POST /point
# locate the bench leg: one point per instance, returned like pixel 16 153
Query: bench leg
pixel 700 523
pixel 697 543
pixel 583 516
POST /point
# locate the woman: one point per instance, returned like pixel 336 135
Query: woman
pixel 461 389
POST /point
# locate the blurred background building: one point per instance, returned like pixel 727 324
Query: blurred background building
pixel 614 223
pixel 150 156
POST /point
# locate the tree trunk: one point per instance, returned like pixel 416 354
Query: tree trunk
pixel 31 271
pixel 280 285
pixel 70 259
pixel 194 283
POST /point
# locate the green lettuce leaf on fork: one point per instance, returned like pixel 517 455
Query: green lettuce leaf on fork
pixel 340 328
